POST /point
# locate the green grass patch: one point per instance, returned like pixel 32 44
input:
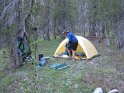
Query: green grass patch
pixel 5 82
pixel 82 76
pixel 47 47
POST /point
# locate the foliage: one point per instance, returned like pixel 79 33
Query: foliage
pixel 25 8
pixel 37 9
pixel 107 8
pixel 8 30
pixel 103 9
pixel 64 9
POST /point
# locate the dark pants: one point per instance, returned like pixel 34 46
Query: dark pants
pixel 73 46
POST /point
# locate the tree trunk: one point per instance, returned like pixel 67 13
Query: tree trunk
pixel 46 21
pixel 14 53
pixel 92 30
pixel 54 29
pixel 118 36
pixel 21 27
pixel 14 56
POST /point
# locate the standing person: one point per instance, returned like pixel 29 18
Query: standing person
pixel 72 44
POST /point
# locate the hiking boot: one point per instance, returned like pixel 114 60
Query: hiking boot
pixel 73 59
pixel 69 58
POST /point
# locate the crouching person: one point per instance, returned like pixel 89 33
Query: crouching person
pixel 72 44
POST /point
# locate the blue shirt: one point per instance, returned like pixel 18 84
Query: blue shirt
pixel 71 37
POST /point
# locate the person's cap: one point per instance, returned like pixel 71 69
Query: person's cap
pixel 65 32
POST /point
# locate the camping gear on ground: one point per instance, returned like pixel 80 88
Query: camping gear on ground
pixel 80 54
pixel 47 58
pixel 42 60
pixel 29 58
pixel 59 66
pixel 40 56
pixel 84 46
pixel 23 49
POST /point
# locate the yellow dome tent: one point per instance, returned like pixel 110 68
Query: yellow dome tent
pixel 84 46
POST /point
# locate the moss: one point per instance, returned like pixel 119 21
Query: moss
pixel 8 30
pixel 6 81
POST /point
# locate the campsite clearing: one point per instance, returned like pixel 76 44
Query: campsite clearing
pixel 82 76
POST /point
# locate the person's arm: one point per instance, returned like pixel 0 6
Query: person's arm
pixel 69 38
pixel 66 45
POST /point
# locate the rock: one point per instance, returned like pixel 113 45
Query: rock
pixel 120 86
pixel 114 91
pixel 98 90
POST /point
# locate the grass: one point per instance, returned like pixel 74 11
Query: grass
pixel 82 76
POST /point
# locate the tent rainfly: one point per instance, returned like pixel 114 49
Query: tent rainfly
pixel 84 46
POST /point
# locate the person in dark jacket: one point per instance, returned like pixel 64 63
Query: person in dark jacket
pixel 72 44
